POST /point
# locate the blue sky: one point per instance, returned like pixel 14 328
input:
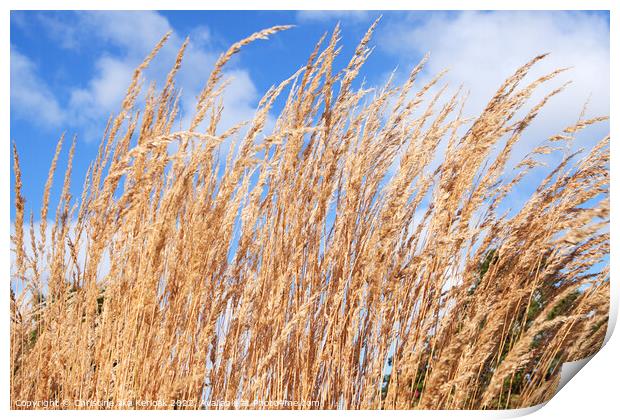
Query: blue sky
pixel 69 70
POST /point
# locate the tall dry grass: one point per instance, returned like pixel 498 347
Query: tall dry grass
pixel 329 259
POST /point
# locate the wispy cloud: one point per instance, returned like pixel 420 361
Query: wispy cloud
pixel 327 15
pixel 29 93
pixel 103 93
pixel 135 31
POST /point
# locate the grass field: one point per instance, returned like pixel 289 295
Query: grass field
pixel 353 254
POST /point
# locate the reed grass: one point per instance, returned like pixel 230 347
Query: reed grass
pixel 329 259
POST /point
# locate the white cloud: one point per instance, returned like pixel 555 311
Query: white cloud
pixel 326 15
pixel 30 96
pixel 136 31
pixel 481 49
pixel 104 92
pixel 67 36
pixel 201 35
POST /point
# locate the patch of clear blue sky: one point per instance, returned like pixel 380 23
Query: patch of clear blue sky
pixel 62 70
